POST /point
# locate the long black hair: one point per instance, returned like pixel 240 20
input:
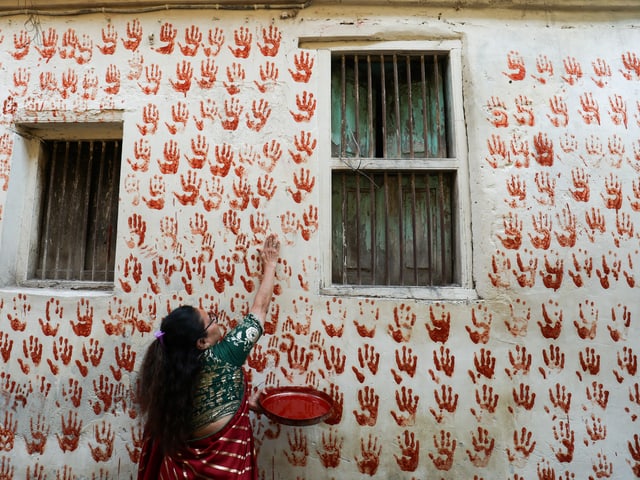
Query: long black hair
pixel 169 376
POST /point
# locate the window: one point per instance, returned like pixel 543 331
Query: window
pixel 81 179
pixel 398 177
pixel 61 221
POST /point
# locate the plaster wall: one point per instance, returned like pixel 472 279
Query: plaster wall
pixel 536 378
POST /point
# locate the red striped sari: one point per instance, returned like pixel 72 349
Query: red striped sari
pixel 227 454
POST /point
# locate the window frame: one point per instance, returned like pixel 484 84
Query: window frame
pixel 457 161
pixel 26 188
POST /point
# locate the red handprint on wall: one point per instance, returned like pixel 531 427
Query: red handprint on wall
pixel 215 42
pixel 271 39
pixel 39 430
pixel 512 238
pixel 497 109
pixel 446 400
pixel 369 458
pixel 192 39
pixel 560 398
pixel 438 328
pixel 559 111
pixel 242 39
pixel 407 402
pixel 104 438
pixel 573 70
pixel 483 446
pixel 481 326
pixel 615 332
pixel 523 447
pixel 518 323
pixel 410 452
pixel 566 436
pixel 631 64
pixel 269 74
pixel 306 104
pixel 303 64
pixel 8 432
pixel 49 47
pixel 369 402
pixel 69 437
pixel 590 110
pixel 445 451
pixel 499 155
pixel 516 67
pixel 523 397
pixel 331 449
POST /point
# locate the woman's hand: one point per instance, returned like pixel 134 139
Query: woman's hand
pixel 270 250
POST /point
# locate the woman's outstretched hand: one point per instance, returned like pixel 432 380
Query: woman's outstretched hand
pixel 269 254
pixel 270 250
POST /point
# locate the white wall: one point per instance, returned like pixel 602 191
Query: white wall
pixel 543 379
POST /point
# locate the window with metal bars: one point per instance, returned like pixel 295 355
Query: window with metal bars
pixel 78 211
pixel 394 184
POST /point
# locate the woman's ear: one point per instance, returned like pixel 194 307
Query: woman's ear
pixel 202 343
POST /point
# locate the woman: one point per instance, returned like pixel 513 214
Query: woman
pixel 192 391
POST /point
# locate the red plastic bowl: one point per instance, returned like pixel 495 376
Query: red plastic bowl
pixel 297 406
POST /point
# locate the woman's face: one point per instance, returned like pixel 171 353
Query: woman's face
pixel 213 331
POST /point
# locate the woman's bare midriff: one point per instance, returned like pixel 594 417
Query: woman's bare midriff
pixel 213 427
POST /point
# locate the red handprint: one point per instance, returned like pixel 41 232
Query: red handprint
pixel 515 64
pixel 150 117
pixel 369 459
pixel 445 362
pixel 544 154
pixel 216 40
pixel 269 74
pixel 261 112
pixel 447 401
pixel 482 327
pixel 563 433
pixel 438 328
pixel 303 63
pixel 104 438
pixel 483 446
pixel 523 447
pixel 134 35
pixel 410 449
pixel 242 39
pixel 271 41
pixel 513 232
pixel 193 40
pixel 306 107
pixel 184 74
pixel 523 397
pixel 369 402
pixel 573 70
pixel 589 362
pixel 590 110
pixel 233 109
pixel 560 398
pixel 407 402
pixel 445 448
pixel 559 110
pixel 524 111
pixel 631 64
pixel 498 153
pixel 498 112
pixel 69 438
pixel 331 450
pixel 49 46
pixel 190 188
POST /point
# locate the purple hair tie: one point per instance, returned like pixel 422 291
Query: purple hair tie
pixel 159 334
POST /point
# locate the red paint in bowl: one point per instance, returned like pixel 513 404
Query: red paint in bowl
pixel 298 406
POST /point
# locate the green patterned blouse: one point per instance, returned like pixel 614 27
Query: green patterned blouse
pixel 222 383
